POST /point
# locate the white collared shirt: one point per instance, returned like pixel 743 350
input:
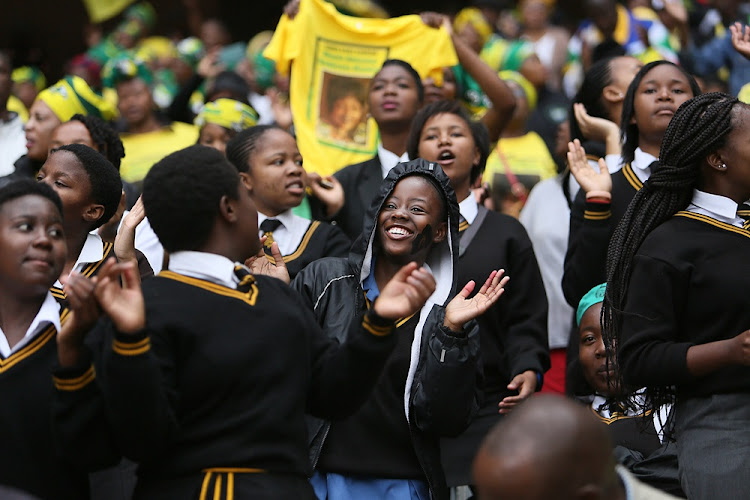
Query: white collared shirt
pixel 717 207
pixel 641 164
pixel 469 209
pixel 92 251
pixel 205 266
pixel 49 314
pixel 291 231
pixel 389 160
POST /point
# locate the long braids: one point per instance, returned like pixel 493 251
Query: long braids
pixel 700 126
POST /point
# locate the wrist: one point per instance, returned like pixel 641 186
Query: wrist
pixel 599 195
pixel 452 326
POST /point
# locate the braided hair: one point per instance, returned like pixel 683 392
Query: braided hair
pixel 104 137
pixel 628 130
pixel 699 127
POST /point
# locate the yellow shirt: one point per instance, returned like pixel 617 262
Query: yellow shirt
pixel 333 51
pixel 526 155
pixel 143 150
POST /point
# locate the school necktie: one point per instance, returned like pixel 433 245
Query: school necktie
pixel 268 226
pixel 743 212
pixel 463 224
pixel 245 277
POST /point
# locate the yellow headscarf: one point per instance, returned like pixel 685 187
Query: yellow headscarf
pixel 526 86
pixel 474 17
pixel 71 96
pixel 29 74
pixel 227 113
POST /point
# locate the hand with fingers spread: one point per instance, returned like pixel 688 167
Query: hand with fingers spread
pixel 259 264
pixel 405 293
pixel 589 179
pixel 83 316
pixel 328 190
pixel 525 384
pixel 210 65
pixel 741 39
pixel 598 129
pixel 125 239
pixel 123 304
pixel 463 309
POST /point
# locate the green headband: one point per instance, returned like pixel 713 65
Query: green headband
pixel 592 297
pixel 125 68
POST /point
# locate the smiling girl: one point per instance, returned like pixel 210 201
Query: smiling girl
pixel 270 166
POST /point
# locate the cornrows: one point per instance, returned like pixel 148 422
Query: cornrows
pixel 699 127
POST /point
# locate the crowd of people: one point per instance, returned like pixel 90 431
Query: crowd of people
pixel 341 260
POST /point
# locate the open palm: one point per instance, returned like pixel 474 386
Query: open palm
pixel 405 293
pixel 588 178
pixel 123 304
pixel 463 309
pixel 741 39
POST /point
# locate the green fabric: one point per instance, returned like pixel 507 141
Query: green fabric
pixel 303 209
pixel 592 297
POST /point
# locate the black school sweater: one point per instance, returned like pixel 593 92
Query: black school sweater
pixel 591 228
pixel 223 379
pixel 688 286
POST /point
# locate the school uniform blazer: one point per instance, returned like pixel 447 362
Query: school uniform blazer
pixel 361 183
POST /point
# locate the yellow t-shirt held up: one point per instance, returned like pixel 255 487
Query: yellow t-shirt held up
pixel 334 57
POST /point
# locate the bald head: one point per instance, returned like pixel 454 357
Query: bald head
pixel 550 447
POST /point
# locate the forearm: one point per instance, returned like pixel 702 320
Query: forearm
pixel 704 359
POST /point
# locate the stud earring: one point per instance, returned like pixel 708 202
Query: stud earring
pixel 723 166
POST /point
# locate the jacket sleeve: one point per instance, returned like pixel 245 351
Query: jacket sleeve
pixel 446 394
pixel 140 389
pixel 586 259
pixel 80 424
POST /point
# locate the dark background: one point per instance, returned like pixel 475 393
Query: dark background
pixel 49 32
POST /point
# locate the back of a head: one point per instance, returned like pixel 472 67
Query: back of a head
pixel 230 85
pixel 549 447
pixel 182 194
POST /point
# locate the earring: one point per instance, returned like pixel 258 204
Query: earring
pixel 723 166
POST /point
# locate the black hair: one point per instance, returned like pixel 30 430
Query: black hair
pixel 230 83
pixel 106 186
pixel 699 127
pixel 629 131
pixel 342 87
pixel 608 48
pixel 589 94
pixel 29 187
pixel 241 147
pixel 478 131
pixel 182 194
pixel 106 139
pixel 409 69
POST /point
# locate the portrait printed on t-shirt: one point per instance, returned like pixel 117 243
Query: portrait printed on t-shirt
pixel 343 110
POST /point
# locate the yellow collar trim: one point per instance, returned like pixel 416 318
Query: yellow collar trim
pixel 249 298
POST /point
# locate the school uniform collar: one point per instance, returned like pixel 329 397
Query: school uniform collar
pixel 469 208
pixel 715 206
pixel 92 251
pixel 287 218
pixel 49 314
pixel 388 160
pixel 642 164
pixel 205 266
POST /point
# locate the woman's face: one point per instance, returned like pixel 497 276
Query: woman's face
pixel 134 101
pixel 276 176
pixel 592 354
pixel 445 92
pixel 72 132
pixel 446 139
pixel 657 97
pixel 346 113
pixel 42 122
pixel 63 172
pixel 410 223
pixel 393 96
pixel 534 14
pixel 214 136
pixel 32 245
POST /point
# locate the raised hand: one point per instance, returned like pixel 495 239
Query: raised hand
pixel 598 129
pixel 328 190
pixel 463 309
pixel 259 263
pixel 741 39
pixel 83 316
pixel 589 179
pixel 405 293
pixel 125 239
pixel 123 304
pixel 525 384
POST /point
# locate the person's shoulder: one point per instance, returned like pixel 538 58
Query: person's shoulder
pixel 497 221
pixel 327 269
pixel 354 170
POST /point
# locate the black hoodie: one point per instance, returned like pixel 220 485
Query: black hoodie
pixel 441 394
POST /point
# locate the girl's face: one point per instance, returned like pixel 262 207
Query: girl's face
pixel 657 97
pixel 446 92
pixel 393 96
pixel 134 100
pixel 214 136
pixel 42 122
pixel 63 172
pixel 410 223
pixel 446 139
pixel 736 152
pixel 72 132
pixel 276 176
pixel 592 354
pixel 32 245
